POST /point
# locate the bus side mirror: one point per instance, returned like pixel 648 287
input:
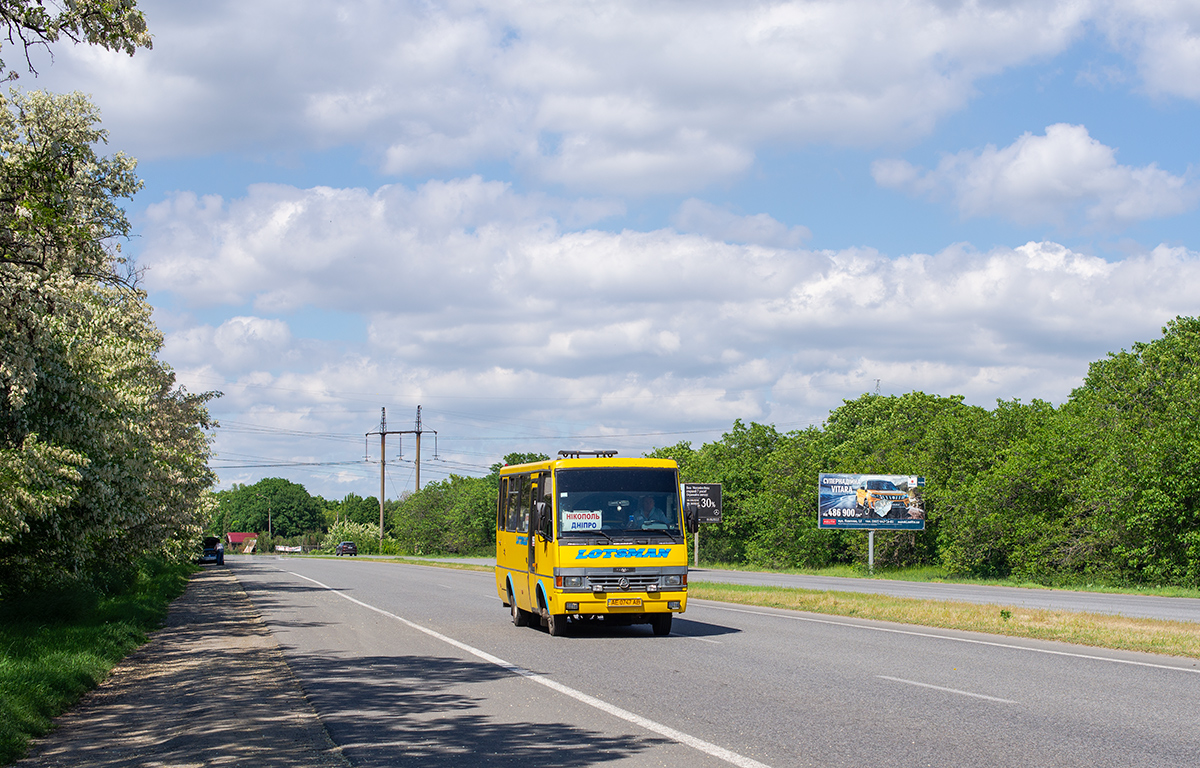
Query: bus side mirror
pixel 691 519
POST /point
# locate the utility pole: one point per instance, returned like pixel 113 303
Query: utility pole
pixel 383 433
pixel 270 533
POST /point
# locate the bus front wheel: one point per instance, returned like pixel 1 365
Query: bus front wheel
pixel 556 624
pixel 662 624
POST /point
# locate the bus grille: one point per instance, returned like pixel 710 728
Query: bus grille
pixel 636 583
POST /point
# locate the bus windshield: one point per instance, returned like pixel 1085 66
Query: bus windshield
pixel 613 500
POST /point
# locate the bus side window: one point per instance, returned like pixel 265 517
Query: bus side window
pixel 502 504
pixel 523 521
pixel 514 503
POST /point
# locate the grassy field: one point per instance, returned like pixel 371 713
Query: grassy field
pixel 56 647
pixel 1174 638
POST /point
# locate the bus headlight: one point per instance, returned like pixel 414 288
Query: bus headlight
pixel 673 581
pixel 572 582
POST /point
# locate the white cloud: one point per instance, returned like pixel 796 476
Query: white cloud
pixel 1163 37
pixel 466 279
pixel 622 96
pixel 238 344
pixel 1058 178
pixel 720 224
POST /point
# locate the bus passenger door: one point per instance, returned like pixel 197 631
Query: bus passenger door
pixel 515 547
pixel 543 517
pixel 521 576
pixel 541 534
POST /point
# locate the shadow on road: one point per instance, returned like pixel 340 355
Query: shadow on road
pixel 422 711
pixel 690 628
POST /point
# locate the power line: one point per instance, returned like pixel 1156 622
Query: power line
pixel 288 464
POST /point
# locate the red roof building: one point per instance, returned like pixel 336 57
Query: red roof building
pixel 239 538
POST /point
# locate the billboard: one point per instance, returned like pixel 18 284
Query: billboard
pixel 879 502
pixel 705 498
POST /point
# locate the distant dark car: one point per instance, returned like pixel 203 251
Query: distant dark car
pixel 214 551
pixel 346 548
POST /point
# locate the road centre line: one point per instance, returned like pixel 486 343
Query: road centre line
pixel 947 690
pixel 710 604
pixel 663 730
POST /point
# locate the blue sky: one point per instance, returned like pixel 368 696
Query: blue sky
pixel 622 225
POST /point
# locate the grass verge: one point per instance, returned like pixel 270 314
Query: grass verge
pixel 442 564
pixel 933 573
pixel 49 658
pixel 1173 638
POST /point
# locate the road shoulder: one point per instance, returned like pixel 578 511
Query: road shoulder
pixel 210 687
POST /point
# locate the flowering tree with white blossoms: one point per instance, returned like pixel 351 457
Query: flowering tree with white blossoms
pixel 103 457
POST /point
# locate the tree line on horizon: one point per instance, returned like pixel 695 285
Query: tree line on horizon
pixel 1105 486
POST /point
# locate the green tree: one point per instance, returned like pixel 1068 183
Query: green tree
pixel 738 462
pixel 103 457
pixel 286 506
pixel 452 516
pixel 786 534
pixel 113 24
pixel 359 510
pixel 1136 415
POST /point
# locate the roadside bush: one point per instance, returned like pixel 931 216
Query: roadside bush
pixel 57 644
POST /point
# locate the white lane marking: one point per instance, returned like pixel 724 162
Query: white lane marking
pixel 947 690
pixel 709 604
pixel 663 730
pixel 701 639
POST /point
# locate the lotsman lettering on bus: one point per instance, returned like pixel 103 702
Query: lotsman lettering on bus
pixel 584 554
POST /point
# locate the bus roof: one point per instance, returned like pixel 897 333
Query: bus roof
pixel 589 463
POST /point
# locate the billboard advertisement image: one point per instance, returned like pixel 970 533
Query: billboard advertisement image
pixel 879 502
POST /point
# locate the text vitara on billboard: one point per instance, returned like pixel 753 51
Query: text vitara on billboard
pixel 880 502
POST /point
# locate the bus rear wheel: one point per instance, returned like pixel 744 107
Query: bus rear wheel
pixel 662 624
pixel 519 618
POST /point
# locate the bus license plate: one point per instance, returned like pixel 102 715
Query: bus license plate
pixel 625 602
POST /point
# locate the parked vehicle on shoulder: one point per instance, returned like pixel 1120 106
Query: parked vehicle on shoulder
pixel 346 548
pixel 213 552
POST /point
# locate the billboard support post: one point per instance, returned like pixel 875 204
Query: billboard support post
pixel 871 551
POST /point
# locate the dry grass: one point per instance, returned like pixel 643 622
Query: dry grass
pixel 438 564
pixel 1174 638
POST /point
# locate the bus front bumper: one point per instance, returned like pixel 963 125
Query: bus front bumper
pixel 623 603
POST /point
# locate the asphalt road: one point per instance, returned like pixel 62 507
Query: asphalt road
pixel 409 665
pixel 1143 606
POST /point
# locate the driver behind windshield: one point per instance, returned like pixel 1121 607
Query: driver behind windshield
pixel 649 512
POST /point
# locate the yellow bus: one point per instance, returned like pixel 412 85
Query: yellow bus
pixel 591 537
